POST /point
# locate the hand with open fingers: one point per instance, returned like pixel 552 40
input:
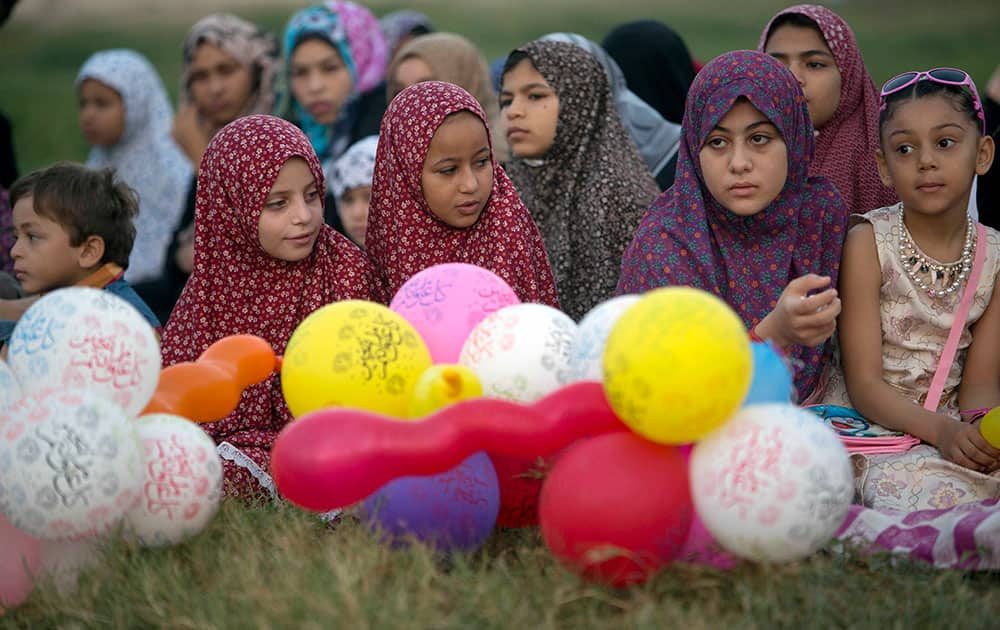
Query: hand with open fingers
pixel 965 445
pixel 804 319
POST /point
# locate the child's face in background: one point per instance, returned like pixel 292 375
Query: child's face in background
pixel 806 54
pixel 411 71
pixel 457 177
pixel 352 207
pixel 220 85
pixel 102 114
pixel 44 260
pixel 530 111
pixel 292 215
pixel 320 80
pixel 744 160
pixel 929 153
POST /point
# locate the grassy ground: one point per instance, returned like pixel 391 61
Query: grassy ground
pixel 46 42
pixel 278 567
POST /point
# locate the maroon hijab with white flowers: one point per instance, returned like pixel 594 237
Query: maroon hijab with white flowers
pixel 846 145
pixel 237 288
pixel 404 237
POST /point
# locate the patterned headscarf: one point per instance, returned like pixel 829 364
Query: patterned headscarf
pixel 688 238
pixel 249 44
pixel 404 237
pixel 355 167
pixel 656 64
pixel 355 33
pixel 846 145
pixel 454 59
pixel 398 24
pixel 145 157
pixel 237 288
pixel 656 138
pixel 593 187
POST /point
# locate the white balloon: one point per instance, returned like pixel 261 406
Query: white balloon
pixel 70 465
pixel 182 481
pixel 10 390
pixel 520 352
pixel 89 339
pixel 586 354
pixel 773 484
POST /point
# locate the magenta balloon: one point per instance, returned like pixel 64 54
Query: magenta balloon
pixel 20 554
pixel 456 509
pixel 445 302
pixel 700 546
pixel 336 457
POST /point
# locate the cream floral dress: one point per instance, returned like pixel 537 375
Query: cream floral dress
pixel 915 327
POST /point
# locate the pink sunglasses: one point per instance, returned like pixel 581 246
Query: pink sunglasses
pixel 944 76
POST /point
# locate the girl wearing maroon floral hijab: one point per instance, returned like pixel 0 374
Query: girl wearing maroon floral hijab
pixel 743 219
pixel 438 196
pixel 820 49
pixel 263 261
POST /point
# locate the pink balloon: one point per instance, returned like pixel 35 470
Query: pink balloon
pixel 445 302
pixel 700 546
pixel 19 558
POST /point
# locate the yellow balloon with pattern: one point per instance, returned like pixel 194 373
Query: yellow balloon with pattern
pixel 677 365
pixel 989 426
pixel 442 385
pixel 353 354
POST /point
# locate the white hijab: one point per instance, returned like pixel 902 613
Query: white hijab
pixel 146 157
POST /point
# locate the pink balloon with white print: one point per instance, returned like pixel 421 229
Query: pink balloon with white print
pixel 445 302
pixel 181 483
pixel 773 484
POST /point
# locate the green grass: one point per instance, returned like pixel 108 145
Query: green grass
pixel 279 567
pixel 40 59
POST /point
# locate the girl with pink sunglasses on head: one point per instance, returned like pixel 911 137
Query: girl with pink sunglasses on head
pixel 918 339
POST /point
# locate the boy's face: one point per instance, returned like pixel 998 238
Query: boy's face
pixel 44 260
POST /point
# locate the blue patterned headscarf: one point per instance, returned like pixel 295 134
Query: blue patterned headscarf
pixel 355 34
pixel 688 238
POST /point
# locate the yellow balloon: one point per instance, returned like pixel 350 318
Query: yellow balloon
pixel 442 385
pixel 989 426
pixel 677 365
pixel 353 354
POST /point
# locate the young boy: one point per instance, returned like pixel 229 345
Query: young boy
pixel 74 228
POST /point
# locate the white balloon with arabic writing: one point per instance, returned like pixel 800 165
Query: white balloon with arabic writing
pixel 521 352
pixel 586 355
pixel 87 339
pixel 70 464
pixel 773 484
pixel 10 390
pixel 181 485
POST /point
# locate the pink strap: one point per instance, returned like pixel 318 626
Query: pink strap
pixel 951 346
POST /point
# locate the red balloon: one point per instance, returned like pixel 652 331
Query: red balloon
pixel 333 458
pixel 616 508
pixel 520 482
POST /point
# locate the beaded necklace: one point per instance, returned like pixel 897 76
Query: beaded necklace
pixel 928 274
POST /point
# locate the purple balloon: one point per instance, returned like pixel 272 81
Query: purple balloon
pixel 456 509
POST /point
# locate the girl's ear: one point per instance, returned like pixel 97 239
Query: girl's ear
pixel 984 157
pixel 883 168
pixel 91 252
